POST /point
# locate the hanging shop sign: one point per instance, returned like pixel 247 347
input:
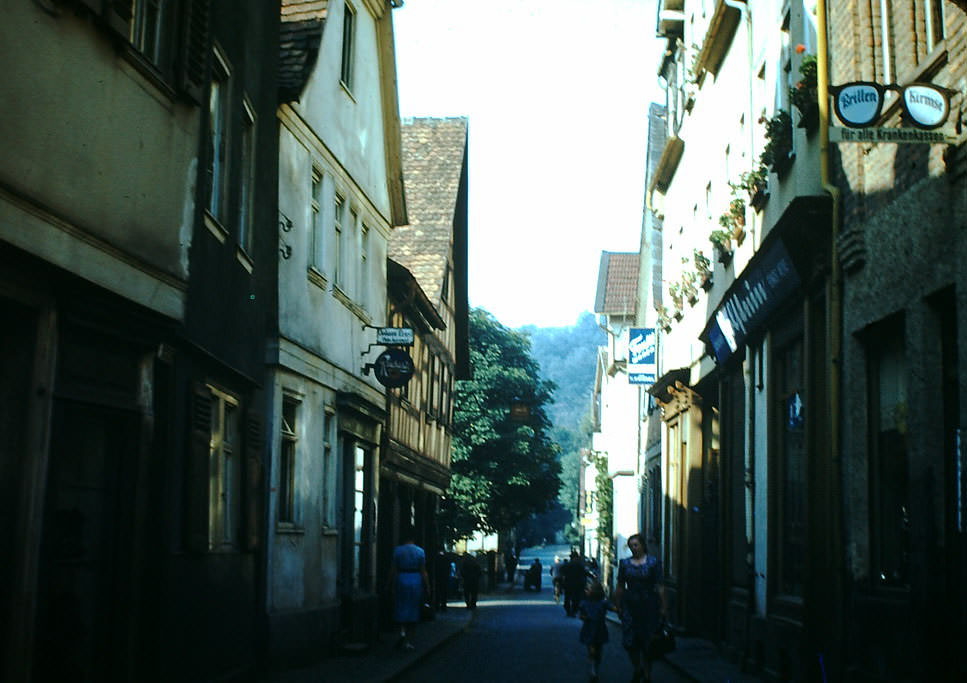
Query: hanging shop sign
pixel 764 285
pixel 393 368
pixel 394 336
pixel 642 367
pixel 858 104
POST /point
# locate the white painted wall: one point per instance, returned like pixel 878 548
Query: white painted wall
pixel 350 121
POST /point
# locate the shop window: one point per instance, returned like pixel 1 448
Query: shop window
pixel 889 483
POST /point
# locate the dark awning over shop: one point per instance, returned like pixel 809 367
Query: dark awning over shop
pixel 768 280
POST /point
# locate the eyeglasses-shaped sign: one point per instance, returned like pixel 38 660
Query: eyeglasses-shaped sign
pixel 858 104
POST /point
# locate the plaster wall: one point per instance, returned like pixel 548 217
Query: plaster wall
pixel 349 121
pixel 315 312
pixel 82 122
pixel 626 501
pixel 619 423
pixel 304 557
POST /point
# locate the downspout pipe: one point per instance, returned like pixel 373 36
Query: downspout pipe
pixel 835 327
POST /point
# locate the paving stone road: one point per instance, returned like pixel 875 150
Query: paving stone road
pixel 520 637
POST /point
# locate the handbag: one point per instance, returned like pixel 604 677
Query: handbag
pixel 662 642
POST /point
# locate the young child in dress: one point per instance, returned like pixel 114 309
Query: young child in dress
pixel 593 611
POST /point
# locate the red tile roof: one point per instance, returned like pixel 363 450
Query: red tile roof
pixel 433 157
pixel 617 284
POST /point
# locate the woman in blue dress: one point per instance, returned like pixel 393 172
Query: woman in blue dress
pixel 410 584
pixel 640 601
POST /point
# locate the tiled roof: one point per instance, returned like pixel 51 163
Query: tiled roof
pixel 300 33
pixel 617 284
pixel 302 10
pixel 433 159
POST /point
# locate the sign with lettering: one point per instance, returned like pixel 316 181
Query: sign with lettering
pixel 394 336
pixel 763 286
pixel 860 103
pixel 642 364
pixel 393 368
pixel 905 135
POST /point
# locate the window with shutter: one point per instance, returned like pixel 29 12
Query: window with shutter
pixel 254 444
pixel 194 49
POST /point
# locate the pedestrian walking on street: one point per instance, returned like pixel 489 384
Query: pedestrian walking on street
pixel 470 570
pixel 510 563
pixel 640 600
pixel 574 576
pixel 593 610
pixel 409 583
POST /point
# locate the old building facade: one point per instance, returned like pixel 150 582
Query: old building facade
pixel 132 473
pixel 427 272
pixel 811 506
pixel 340 195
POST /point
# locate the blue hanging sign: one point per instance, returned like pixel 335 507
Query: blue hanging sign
pixel 642 358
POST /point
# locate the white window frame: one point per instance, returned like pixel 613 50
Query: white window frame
pixel 363 278
pixel 225 472
pixel 246 204
pixel 347 64
pixel 316 234
pixel 149 21
pixel 339 205
pixel 287 506
pixel 219 106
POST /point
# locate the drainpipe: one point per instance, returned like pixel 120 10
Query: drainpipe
pixel 835 327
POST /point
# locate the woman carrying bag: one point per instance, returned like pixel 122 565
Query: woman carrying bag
pixel 640 600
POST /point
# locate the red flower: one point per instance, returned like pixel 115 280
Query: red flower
pixel 800 48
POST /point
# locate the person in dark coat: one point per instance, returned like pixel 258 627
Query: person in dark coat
pixel 574 576
pixel 510 563
pixel 640 599
pixel 470 571
pixel 593 610
pixel 441 580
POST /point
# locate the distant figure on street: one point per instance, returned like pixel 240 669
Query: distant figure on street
pixel 574 577
pixel 555 572
pixel 409 582
pixel 441 580
pixel 640 600
pixel 594 631
pixel 470 570
pixel 510 564
pixel 532 579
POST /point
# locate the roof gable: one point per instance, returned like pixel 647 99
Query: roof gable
pixel 617 284
pixel 434 154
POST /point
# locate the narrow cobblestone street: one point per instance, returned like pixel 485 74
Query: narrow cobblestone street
pixel 525 636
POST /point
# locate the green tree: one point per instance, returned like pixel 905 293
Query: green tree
pixel 503 470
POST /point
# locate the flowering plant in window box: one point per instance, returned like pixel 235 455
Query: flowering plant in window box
pixel 703 267
pixel 777 154
pixel 722 241
pixel 755 183
pixel 675 292
pixel 689 290
pixel 664 319
pixel 804 94
pixel 733 220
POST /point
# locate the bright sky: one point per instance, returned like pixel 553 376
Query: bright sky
pixel 557 94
